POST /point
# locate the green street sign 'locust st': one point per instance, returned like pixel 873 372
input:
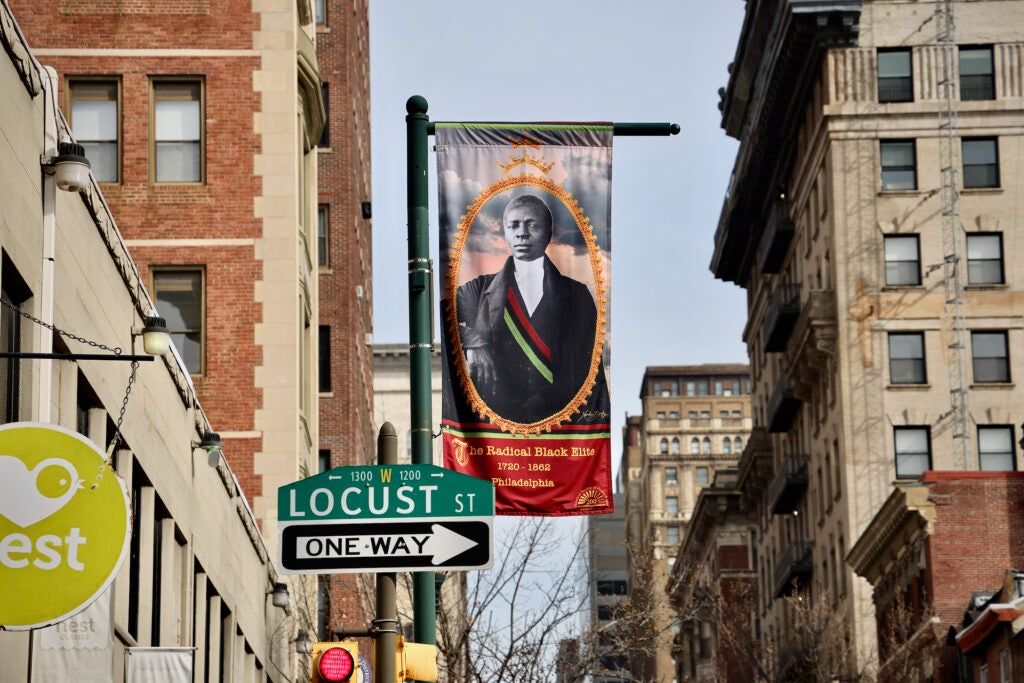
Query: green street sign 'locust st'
pixel 385 518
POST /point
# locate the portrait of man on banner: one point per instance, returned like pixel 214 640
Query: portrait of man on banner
pixel 527 330
pixel 525 239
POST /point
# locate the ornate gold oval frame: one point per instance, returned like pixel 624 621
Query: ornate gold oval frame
pixel 476 403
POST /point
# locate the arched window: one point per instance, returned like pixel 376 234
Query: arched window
pixel 706 445
pixel 675 446
pixel 726 446
pixel 663 448
pixel 695 446
pixel 737 444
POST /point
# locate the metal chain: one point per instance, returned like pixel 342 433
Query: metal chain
pixel 116 350
pixel 124 406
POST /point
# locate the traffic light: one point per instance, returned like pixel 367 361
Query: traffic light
pixel 334 662
pixel 415 661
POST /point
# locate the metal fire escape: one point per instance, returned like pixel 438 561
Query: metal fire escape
pixel 953 275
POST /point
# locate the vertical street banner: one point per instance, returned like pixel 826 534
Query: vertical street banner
pixel 525 225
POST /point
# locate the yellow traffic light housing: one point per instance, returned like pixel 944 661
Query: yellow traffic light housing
pixel 334 662
pixel 415 661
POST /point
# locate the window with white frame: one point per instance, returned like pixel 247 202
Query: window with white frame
pixel 96 122
pixel 995 448
pixel 671 476
pixel 179 294
pixel 991 357
pixel 902 260
pixel 913 451
pixel 985 259
pixel 906 358
pixel 177 131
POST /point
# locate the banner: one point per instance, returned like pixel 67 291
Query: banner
pixel 525 238
pixel 159 664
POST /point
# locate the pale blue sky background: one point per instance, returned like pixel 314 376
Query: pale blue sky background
pixel 582 60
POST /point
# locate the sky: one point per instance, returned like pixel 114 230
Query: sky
pixel 578 60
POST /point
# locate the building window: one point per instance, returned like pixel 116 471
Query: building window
pixel 320 11
pixel 180 298
pixel 177 143
pixel 324 359
pixel 995 449
pixel 705 446
pixel 672 535
pixel 726 446
pixel 895 82
pixel 660 415
pixel 325 137
pixel 663 447
pixel 737 413
pixel 675 446
pixel 902 260
pixel 983 673
pixel 322 236
pixel 672 505
pixel 611 587
pixel 913 451
pixel 906 358
pixel 702 475
pixel 673 415
pixel 991 358
pixel 96 120
pixel 737 445
pixel 14 294
pixel 671 476
pixel 899 165
pixel 977 74
pixel 985 259
pixel 695 446
pixel 981 162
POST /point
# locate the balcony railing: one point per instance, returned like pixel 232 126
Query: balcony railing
pixel 789 484
pixel 783 312
pixel 782 407
pixel 777 236
pixel 794 568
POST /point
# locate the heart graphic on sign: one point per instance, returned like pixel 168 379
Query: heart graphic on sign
pixel 28 496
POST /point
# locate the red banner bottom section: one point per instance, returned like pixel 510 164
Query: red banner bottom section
pixel 545 476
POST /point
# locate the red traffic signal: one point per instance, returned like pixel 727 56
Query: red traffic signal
pixel 334 662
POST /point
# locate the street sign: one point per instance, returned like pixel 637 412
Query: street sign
pixel 385 518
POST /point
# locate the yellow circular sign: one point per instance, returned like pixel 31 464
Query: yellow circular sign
pixel 64 524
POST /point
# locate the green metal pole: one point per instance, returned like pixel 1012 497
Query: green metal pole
pixel 386 623
pixel 420 336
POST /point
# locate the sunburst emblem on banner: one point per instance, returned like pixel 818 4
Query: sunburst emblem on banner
pixel 525 161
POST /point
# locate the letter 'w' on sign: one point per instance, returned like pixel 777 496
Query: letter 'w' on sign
pixel 525 318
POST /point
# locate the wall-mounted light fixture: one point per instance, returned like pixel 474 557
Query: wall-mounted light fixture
pixel 303 644
pixel 156 338
pixel 279 596
pixel 212 445
pixel 70 165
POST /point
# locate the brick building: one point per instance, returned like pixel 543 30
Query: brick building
pixel 870 218
pixel 695 422
pixel 344 261
pixel 196 586
pixel 202 123
pixel 932 548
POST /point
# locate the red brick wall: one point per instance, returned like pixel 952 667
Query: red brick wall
pixel 978 535
pixel 346 414
pixel 220 208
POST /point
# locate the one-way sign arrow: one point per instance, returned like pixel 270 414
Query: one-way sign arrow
pixel 385 546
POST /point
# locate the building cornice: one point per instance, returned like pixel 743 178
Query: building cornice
pixel 778 58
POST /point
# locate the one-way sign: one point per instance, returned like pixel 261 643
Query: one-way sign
pixel 385 518
pixel 386 546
